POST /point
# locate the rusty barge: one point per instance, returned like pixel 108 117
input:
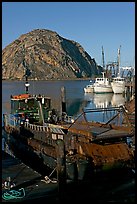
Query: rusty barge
pixel 78 149
pixel 74 150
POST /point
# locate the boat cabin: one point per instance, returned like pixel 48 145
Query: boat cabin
pixel 35 107
pixel 118 79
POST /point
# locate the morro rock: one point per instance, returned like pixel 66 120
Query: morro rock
pixel 48 56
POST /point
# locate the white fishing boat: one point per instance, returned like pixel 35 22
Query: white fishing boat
pixel 102 85
pixel 118 83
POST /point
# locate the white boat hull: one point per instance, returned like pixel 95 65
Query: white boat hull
pixel 103 89
pixel 118 88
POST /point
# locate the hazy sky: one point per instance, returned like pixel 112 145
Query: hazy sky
pixel 92 24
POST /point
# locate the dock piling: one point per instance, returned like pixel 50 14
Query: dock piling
pixel 61 167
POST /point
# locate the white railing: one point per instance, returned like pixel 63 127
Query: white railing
pixel 45 128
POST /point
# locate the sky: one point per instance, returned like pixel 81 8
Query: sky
pixel 91 24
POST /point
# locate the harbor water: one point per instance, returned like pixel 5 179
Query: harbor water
pixel 76 99
pixel 119 187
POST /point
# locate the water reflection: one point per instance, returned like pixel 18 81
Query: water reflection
pixel 102 100
pixel 75 106
pixel 117 100
pixel 88 97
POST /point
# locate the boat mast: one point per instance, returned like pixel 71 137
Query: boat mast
pixel 27 71
pixel 27 74
pixel 27 84
pixel 118 74
pixel 103 61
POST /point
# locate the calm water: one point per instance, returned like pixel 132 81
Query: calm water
pixel 76 100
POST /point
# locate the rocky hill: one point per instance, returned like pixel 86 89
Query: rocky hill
pixel 48 56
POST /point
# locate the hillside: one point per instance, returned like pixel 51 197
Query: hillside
pixel 48 56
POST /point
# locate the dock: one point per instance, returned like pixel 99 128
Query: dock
pixel 102 188
pixel 130 87
pixel 28 184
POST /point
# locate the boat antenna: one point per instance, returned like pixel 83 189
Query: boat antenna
pixel 27 74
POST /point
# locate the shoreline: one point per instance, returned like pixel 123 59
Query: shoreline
pixel 78 79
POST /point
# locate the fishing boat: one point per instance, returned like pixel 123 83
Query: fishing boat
pixel 118 83
pixel 74 150
pixel 102 85
pixel 89 88
pixel 32 127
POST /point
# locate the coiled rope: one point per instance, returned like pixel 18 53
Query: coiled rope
pixel 47 178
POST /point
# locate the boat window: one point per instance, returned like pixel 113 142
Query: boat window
pixel 14 106
pixel 47 103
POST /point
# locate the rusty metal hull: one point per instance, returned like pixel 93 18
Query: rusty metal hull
pixel 79 149
pixel 83 157
pixel 107 156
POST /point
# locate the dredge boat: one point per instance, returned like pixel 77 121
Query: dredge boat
pixel 75 150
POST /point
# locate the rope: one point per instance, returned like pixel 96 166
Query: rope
pixel 13 194
pixel 47 178
pixel 52 171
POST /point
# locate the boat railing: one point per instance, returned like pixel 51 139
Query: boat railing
pixel 119 118
pixel 12 120
pixel 35 127
pixel 47 133
pixel 120 108
pixel 44 128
